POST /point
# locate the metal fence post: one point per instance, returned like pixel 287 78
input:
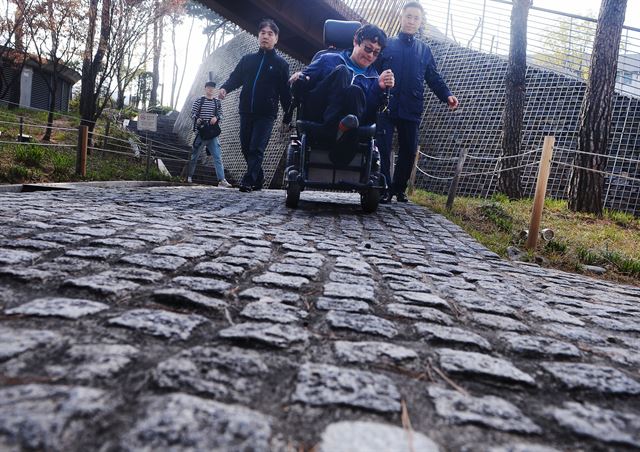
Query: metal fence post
pixel 148 158
pixel 414 170
pixel 456 177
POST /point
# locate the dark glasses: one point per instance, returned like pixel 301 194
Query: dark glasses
pixel 368 49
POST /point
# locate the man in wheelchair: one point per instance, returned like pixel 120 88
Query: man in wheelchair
pixel 341 90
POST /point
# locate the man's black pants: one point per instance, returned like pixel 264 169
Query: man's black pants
pixel 407 148
pixel 255 132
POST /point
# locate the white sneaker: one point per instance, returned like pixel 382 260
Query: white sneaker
pixel 224 184
pixel 189 180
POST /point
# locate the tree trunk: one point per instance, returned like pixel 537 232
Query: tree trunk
pixel 157 52
pixel 174 73
pixel 88 78
pixel 515 84
pixel 587 186
pixel 53 90
pixel 91 66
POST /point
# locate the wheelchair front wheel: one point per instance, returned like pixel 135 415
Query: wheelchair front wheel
pixel 293 195
pixel 370 199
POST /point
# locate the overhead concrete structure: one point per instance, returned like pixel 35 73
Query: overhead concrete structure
pixel 300 22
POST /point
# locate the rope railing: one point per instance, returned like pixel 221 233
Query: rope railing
pixel 498 171
pixel 480 157
pixel 18 143
pixel 571 165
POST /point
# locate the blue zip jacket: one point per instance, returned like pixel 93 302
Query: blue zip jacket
pixel 367 80
pixel 412 64
pixel 264 79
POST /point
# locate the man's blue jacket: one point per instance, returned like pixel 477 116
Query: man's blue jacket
pixel 367 80
pixel 412 64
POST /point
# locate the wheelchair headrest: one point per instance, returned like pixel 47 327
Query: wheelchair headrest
pixel 339 33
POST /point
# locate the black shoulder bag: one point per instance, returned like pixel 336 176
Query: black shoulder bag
pixel 207 131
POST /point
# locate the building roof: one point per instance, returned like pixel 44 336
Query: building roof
pixel 66 73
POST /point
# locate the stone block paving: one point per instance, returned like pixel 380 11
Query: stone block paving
pixel 195 318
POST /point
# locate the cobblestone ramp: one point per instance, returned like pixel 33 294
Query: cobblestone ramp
pixel 193 318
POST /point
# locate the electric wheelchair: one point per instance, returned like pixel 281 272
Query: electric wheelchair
pixel 310 162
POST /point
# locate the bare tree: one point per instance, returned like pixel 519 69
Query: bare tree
pixel 512 117
pixel 218 30
pixel 126 55
pixel 587 180
pixel 54 30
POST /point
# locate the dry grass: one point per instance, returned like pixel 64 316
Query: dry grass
pixel 612 242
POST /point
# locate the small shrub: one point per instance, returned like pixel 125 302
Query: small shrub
pixel 556 246
pixel 623 263
pixel 30 155
pixel 500 198
pixel 623 219
pixel 496 213
pixel 17 173
pixel 588 257
pixel 63 166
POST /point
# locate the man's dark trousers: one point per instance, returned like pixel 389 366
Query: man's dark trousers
pixel 407 148
pixel 255 132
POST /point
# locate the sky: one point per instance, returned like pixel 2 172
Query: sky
pixel 580 7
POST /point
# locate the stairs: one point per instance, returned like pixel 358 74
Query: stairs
pixel 174 152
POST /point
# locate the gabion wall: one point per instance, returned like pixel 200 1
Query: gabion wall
pixel 220 64
pixel 552 108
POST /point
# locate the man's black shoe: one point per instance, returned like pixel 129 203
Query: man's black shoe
pixel 401 197
pixel 245 188
pixel 385 198
pixel 256 188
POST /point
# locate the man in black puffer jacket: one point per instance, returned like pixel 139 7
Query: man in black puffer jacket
pixel 264 79
pixel 412 63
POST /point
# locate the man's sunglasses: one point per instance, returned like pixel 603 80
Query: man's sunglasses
pixel 368 49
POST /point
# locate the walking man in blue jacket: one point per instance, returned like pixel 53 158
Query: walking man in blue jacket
pixel 412 64
pixel 344 90
pixel 263 77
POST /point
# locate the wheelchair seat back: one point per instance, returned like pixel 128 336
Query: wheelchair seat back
pixel 338 35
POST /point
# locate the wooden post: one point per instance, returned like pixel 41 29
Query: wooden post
pixel 21 128
pixel 541 189
pixel 456 177
pixel 81 155
pixel 414 169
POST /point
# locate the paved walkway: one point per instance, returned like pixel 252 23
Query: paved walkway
pixel 196 318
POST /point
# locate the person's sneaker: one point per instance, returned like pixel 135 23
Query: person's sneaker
pixel 245 188
pixel 401 197
pixel 224 184
pixel 347 123
pixel 189 180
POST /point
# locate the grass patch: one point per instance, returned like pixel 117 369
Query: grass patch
pixel 31 163
pixel 30 155
pixel 612 242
